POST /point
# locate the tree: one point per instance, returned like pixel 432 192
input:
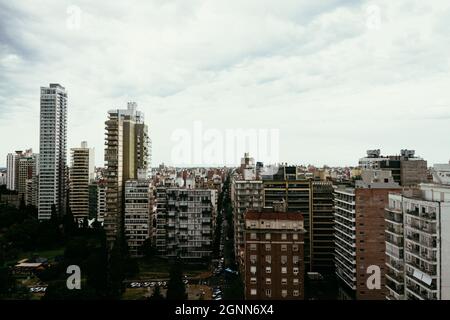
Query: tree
pixel 69 224
pixel 54 215
pixel 96 271
pixel 7 282
pixel 236 289
pixel 117 269
pixel 176 289
pixel 157 294
pixel 147 249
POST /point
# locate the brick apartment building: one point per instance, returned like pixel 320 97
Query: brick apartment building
pixel 360 232
pixel 274 255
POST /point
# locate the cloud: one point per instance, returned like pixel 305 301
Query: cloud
pixel 332 84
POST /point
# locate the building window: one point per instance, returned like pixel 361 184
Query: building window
pixel 295 259
pixel 253 246
pixel 253 292
pixel 268 292
pixel 283 236
pixel 284 293
pixel 283 270
pixel 253 258
pixel 268 269
pixel 284 281
pixel 283 259
pixel 295 281
pixel 296 293
pixel 295 247
pixel 252 280
pixel 283 247
pixel 267 236
pixel 268 281
pixel 253 269
pixel 253 236
pixel 295 270
pixel 295 236
pixel 269 259
pixel 268 247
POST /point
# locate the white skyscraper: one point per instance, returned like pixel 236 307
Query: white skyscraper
pixel 52 147
pixel 11 171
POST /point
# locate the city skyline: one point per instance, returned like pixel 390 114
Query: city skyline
pixel 335 78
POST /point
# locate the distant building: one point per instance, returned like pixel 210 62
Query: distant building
pixel 22 175
pixel 138 207
pixel 82 172
pixel 101 201
pixel 184 223
pixel 11 171
pixel 274 265
pixel 406 168
pixel 245 194
pixel 3 176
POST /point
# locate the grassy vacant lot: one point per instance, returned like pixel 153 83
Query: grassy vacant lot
pixel 49 254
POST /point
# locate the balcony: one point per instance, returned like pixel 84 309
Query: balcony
pixel 427 228
pixel 394 218
pixel 398 279
pixel 395 265
pixel 429 216
pixel 420 293
pixel 412 278
pixel 431 270
pixel 397 290
pixel 398 242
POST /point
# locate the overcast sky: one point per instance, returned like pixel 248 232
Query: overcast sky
pixel 334 77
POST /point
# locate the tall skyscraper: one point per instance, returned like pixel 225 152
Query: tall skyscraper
pixel 11 171
pixel 52 148
pixel 82 172
pixel 126 156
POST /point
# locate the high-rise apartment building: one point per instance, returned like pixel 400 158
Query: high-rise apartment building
pixel 52 148
pixel 3 174
pixel 21 166
pixel 418 243
pixel 82 172
pixel 11 171
pixel 246 193
pixel 322 231
pixel 314 199
pixel 296 191
pixel 125 159
pixel 274 265
pixel 138 207
pixel 101 201
pixel 360 232
pixel 184 223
